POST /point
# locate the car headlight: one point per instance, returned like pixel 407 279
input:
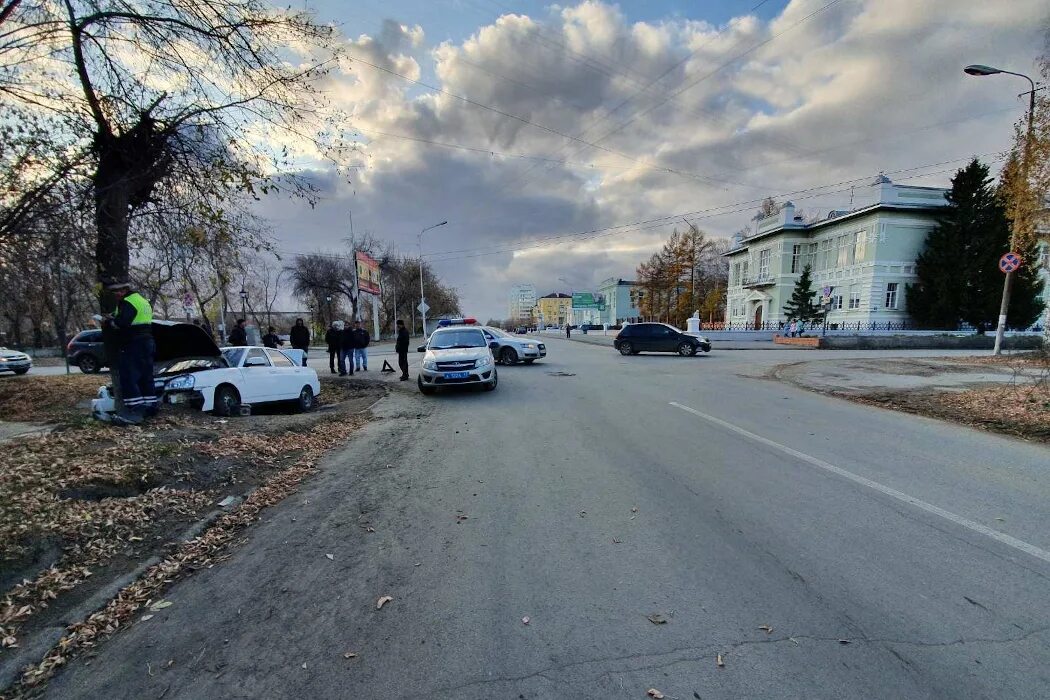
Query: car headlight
pixel 530 346
pixel 185 381
pixel 429 364
pixel 483 362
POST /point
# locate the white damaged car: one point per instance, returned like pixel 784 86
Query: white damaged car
pixel 513 349
pixel 190 368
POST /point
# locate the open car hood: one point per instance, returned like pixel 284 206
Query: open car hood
pixel 176 340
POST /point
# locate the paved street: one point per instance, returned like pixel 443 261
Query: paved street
pixel 892 556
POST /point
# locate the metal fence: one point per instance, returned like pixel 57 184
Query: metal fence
pixel 854 326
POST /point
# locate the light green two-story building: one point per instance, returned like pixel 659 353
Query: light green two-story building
pixel 865 256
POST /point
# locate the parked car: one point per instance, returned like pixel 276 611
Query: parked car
pixel 85 351
pixel 14 361
pixel 658 337
pixel 521 330
pixel 511 350
pixel 190 368
pixel 457 355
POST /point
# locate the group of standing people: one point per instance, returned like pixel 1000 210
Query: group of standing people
pixel 794 328
pixel 347 347
pixel 298 337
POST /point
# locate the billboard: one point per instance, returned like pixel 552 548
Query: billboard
pixel 587 300
pixel 367 274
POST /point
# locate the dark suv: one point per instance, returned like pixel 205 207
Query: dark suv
pixel 658 337
pixel 86 352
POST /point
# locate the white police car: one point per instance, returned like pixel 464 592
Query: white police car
pixel 457 354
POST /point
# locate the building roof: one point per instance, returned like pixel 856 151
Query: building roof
pixel 556 295
pixel 746 243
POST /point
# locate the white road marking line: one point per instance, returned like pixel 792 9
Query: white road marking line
pixel 1002 537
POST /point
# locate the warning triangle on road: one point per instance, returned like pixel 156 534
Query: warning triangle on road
pixel 386 367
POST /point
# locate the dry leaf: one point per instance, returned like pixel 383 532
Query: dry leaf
pixel 383 601
pixel 844 641
pixel 583 514
pixel 766 628
pixel 634 510
pixel 525 620
pixel 330 557
pixel 304 664
pixel 370 529
pixel 657 619
pixel 719 662
pixel 350 655
pixel 160 605
pixel 144 618
pixel 616 541
pixel 654 693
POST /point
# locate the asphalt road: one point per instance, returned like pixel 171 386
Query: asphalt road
pixel 891 556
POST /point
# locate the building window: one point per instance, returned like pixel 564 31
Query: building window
pixel 796 258
pixel 891 295
pixel 854 296
pixel 736 274
pixel 763 264
pixel 743 270
pixel 836 302
pixel 845 250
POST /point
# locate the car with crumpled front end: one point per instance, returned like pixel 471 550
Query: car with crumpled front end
pixel 511 350
pixel 457 356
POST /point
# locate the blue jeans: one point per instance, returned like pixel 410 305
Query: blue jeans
pixel 360 358
pixel 346 357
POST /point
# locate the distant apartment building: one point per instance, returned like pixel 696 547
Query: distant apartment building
pixel 866 256
pixel 521 301
pixel 619 306
pixel 554 309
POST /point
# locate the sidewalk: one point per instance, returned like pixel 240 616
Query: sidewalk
pixel 597 338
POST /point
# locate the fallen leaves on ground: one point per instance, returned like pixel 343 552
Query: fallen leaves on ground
pixel 350 655
pixel 49 399
pixel 766 628
pixel 654 693
pixel 199 552
pixel 383 601
pixel 719 662
pixel 657 619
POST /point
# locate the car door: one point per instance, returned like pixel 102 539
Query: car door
pixel 288 379
pixel 257 384
pixel 662 338
pixel 643 338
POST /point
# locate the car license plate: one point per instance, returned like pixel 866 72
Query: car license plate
pixel 456 375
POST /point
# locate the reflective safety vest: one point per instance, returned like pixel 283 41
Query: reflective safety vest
pixel 143 311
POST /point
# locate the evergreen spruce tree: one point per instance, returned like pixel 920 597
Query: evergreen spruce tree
pixel 959 277
pixel 801 306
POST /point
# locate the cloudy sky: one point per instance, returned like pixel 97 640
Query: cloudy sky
pixel 567 140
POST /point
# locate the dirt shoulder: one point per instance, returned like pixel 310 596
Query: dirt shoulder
pixel 89 507
pixel 1007 394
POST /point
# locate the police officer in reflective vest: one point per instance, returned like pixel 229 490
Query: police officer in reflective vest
pixel 131 320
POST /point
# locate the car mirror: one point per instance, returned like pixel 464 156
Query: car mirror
pixel 493 345
pixel 255 362
pixel 421 348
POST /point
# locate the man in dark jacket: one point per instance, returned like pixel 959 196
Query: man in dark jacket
pixel 239 336
pixel 300 338
pixel 401 346
pixel 361 340
pixel 346 350
pixel 131 321
pixel 331 338
pixel 271 339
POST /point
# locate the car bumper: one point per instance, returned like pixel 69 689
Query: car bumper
pixel 16 365
pixel 431 377
pixel 532 353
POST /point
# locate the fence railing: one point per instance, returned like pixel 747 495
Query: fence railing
pixel 855 326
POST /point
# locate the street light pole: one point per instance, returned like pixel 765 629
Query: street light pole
pixel 422 296
pixel 1008 283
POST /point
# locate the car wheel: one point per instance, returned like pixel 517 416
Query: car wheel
pixel 88 364
pixel 227 401
pixel 626 349
pixel 686 349
pixel 529 362
pixel 426 390
pixel 21 371
pixel 706 348
pixel 492 385
pixel 509 356
pixel 306 400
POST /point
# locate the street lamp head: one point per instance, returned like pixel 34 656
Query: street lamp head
pixel 978 69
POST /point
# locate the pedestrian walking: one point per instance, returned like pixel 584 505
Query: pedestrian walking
pixel 299 337
pixel 361 340
pixel 568 331
pixel 131 321
pixel 401 347
pixel 346 350
pixel 239 335
pixel 331 338
pixel 271 339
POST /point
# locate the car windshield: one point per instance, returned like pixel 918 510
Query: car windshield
pixel 497 332
pixel 233 356
pixel 446 340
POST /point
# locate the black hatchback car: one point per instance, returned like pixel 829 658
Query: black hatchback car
pixel 658 337
pixel 85 351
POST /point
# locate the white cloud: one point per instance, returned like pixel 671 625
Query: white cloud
pixel 837 96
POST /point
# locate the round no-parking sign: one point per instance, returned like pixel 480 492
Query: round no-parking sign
pixel 1009 262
